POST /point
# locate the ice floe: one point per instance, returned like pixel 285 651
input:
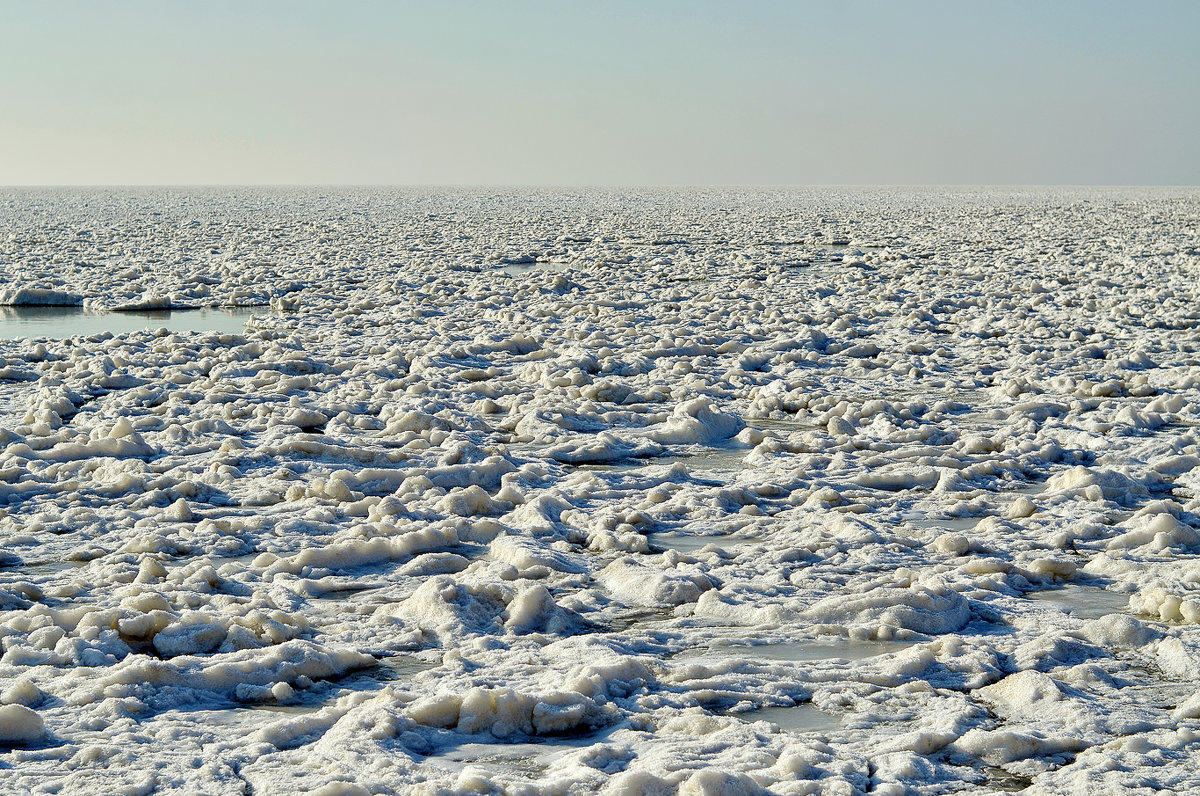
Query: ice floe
pixel 561 492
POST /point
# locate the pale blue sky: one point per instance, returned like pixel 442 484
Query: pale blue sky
pixel 572 93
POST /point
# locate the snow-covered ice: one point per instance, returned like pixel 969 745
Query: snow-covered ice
pixel 553 492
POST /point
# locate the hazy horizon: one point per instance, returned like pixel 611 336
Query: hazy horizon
pixel 538 94
pixel 466 186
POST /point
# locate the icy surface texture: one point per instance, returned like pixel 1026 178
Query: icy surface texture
pixel 576 492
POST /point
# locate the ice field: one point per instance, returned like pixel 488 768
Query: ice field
pixel 711 492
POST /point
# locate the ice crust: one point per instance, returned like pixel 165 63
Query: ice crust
pixel 399 535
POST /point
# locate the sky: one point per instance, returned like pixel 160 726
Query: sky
pixel 606 92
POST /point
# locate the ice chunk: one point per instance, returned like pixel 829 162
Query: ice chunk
pixel 19 724
pixel 23 691
pixel 1007 745
pixel 923 609
pixel 633 582
pixel 38 296
pixel 696 421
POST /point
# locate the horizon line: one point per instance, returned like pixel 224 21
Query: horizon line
pixel 585 186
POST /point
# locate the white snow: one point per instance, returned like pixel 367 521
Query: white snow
pixel 572 492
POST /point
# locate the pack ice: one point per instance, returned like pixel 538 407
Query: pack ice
pixel 550 492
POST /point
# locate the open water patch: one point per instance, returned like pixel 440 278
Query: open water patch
pixel 777 424
pixel 805 717
pixel 918 520
pixel 1084 602
pixel 62 322
pixel 695 460
pixel 522 267
pixel 821 648
pixel 49 566
pixel 713 459
pixel 689 543
pixel 521 760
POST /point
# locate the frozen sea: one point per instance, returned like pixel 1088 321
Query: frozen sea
pixel 703 492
